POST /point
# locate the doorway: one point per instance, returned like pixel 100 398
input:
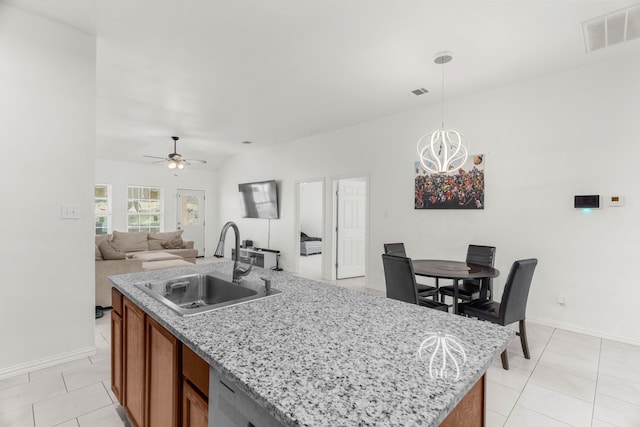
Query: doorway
pixel 190 217
pixel 311 229
pixel 350 227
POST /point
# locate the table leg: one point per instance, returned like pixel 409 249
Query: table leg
pixel 484 287
pixel 455 296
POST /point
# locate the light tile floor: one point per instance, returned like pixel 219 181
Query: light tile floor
pixel 570 380
pixel 72 394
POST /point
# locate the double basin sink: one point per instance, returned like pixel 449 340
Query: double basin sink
pixel 199 293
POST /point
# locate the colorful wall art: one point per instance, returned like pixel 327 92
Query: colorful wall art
pixel 462 189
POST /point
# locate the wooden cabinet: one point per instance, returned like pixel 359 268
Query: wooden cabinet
pixel 470 411
pixel 116 344
pixel 195 389
pixel 116 355
pixel 157 379
pixel 195 408
pixel 162 374
pixel 133 325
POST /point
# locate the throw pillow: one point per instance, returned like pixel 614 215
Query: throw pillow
pixel 134 241
pixel 175 243
pixel 98 254
pixel 155 240
pixel 109 251
pixel 101 238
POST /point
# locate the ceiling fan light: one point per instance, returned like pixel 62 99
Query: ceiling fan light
pixel 171 164
pixel 180 165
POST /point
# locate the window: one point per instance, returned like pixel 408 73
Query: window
pixel 144 209
pixel 102 196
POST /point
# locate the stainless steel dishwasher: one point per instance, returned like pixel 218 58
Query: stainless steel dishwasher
pixel 231 407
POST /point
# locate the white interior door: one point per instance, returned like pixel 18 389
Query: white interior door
pixel 190 217
pixel 351 232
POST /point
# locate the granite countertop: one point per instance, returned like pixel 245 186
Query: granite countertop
pixel 322 355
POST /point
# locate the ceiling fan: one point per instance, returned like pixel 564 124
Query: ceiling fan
pixel 175 160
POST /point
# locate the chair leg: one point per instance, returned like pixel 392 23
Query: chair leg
pixel 523 340
pixel 505 360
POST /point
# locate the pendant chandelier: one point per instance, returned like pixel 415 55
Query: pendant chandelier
pixel 444 150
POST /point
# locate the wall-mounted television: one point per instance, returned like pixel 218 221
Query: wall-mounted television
pixel 259 199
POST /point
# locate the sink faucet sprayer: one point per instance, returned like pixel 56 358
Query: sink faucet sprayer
pixel 238 271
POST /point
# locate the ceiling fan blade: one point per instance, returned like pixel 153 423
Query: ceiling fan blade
pixel 195 160
pixel 155 157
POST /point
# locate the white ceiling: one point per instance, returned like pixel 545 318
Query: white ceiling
pixel 217 73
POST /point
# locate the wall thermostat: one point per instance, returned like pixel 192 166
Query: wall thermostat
pixel 586 202
pixel 616 201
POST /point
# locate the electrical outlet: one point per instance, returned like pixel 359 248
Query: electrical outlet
pixel 70 212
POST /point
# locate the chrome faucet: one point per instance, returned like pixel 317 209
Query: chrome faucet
pixel 238 271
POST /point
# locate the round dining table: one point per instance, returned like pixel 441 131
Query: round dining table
pixel 456 271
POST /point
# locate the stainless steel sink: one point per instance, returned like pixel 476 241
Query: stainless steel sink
pixel 198 293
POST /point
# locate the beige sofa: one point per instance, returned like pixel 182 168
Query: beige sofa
pixel 142 251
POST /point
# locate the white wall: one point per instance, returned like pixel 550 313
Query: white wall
pixel 123 174
pixel 47 117
pixel 545 140
pixel 311 208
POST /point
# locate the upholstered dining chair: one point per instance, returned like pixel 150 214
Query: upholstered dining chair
pixel 511 308
pixel 470 288
pixel 401 282
pixel 397 249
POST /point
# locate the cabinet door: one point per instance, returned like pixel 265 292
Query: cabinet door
pixel 195 409
pixel 163 396
pixel 116 355
pixel 196 370
pixel 133 361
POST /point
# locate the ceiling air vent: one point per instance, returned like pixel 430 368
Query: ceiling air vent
pixel 420 91
pixel 613 28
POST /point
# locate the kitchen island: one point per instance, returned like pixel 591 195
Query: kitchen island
pixel 322 355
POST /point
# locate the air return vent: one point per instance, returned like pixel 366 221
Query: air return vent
pixel 617 27
pixel 420 91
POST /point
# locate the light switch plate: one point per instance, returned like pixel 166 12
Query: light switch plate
pixel 70 212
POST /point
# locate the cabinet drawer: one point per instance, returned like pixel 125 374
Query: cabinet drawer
pixel 196 370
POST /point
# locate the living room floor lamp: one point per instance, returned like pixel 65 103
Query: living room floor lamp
pixel 444 150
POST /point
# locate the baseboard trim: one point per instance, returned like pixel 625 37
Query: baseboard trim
pixel 581 330
pixel 47 362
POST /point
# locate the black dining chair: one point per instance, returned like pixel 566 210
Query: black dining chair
pixel 397 249
pixel 470 288
pixel 511 308
pixel 400 280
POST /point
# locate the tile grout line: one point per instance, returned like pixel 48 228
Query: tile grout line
pixel 593 404
pixel 582 360
pixel 107 390
pixel 595 391
pixel 530 374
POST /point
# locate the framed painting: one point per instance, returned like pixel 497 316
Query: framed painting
pixel 463 189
